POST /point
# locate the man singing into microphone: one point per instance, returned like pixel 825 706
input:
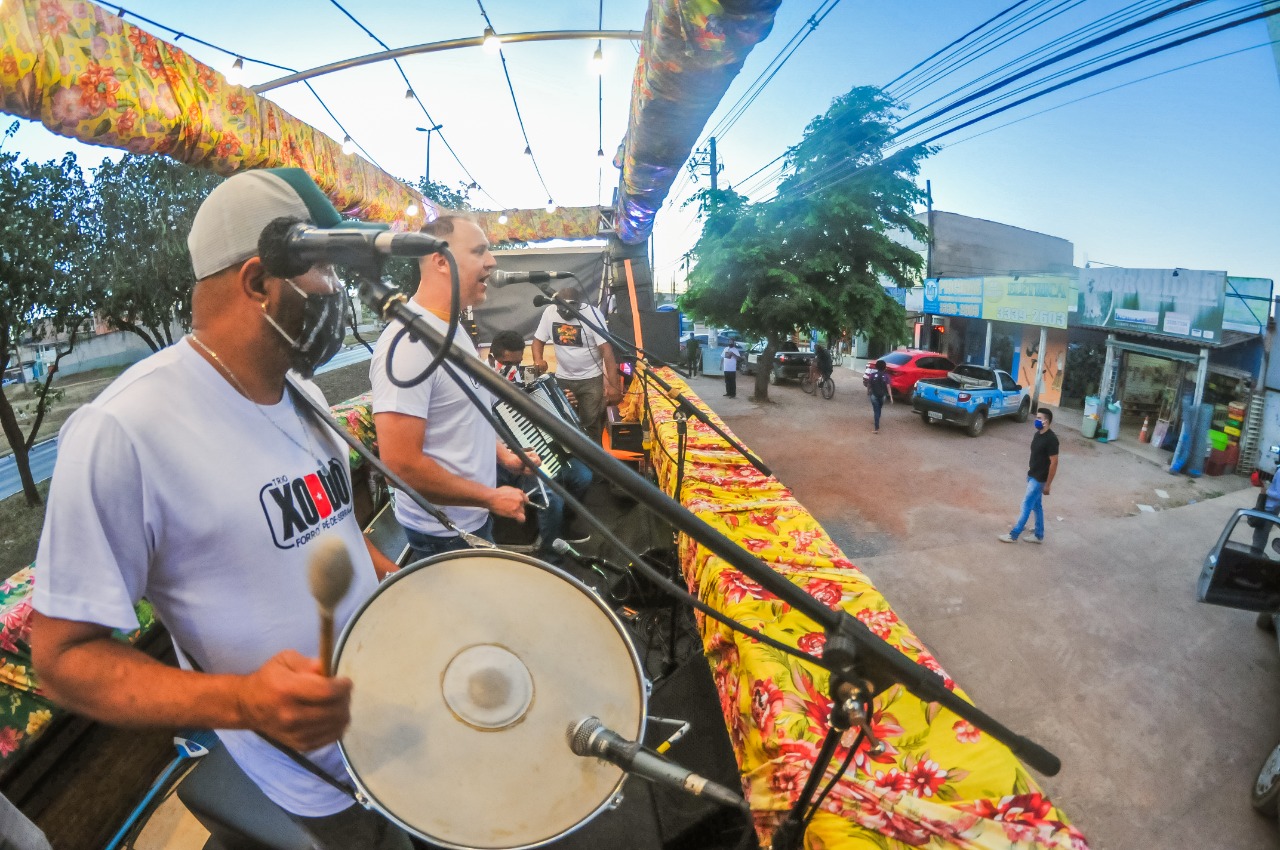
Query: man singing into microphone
pixel 431 434
pixel 584 361
pixel 196 481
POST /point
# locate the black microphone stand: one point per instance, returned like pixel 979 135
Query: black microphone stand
pixel 852 652
pixel 682 403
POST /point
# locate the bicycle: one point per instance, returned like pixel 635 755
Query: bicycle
pixel 813 381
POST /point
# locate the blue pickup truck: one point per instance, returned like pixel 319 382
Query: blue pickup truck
pixel 969 396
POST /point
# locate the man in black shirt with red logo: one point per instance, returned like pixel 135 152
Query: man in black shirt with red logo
pixel 1040 473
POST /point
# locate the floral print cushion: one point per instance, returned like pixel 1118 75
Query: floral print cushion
pixel 939 783
pixel 356 416
pixel 25 712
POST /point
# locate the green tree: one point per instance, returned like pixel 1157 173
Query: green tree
pixel 403 272
pixel 45 242
pixel 143 274
pixel 815 255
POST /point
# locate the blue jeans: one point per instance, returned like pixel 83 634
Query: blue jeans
pixel 426 545
pixel 574 476
pixel 877 402
pixel 1033 501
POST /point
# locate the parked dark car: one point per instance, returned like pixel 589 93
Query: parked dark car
pixel 787 365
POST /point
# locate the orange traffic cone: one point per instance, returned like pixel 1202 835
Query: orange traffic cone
pixel 1143 435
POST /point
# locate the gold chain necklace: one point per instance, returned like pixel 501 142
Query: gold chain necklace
pixel 226 370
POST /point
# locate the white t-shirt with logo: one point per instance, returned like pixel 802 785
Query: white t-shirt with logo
pixel 458 436
pixel 173 486
pixel 729 362
pixel 577 347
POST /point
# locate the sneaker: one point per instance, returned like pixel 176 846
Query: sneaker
pixel 1034 539
pixel 1007 538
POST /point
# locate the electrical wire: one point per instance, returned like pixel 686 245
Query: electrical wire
pixel 1119 51
pixel 121 12
pixel 418 99
pixel 959 40
pixel 528 146
pixel 833 174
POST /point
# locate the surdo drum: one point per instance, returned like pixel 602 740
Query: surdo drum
pixel 467 669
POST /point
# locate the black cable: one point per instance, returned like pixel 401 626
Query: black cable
pixel 976 29
pixel 455 298
pixel 844 767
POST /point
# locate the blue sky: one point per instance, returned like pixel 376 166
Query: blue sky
pixel 1176 171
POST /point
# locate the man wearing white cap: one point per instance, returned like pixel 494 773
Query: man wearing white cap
pixel 196 481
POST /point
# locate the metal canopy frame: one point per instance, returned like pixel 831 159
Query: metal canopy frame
pixel 438 46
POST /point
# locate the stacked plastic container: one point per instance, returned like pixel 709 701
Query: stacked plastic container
pixel 1224 438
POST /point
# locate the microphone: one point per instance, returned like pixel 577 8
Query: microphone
pixel 329 573
pixel 498 277
pixel 542 301
pixel 589 737
pixel 563 547
pixel 307 244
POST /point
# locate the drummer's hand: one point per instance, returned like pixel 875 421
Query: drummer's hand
pixel 541 366
pixel 613 392
pixel 287 699
pixel 508 502
pixel 573 399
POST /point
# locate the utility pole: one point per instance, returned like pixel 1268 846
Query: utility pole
pixel 428 130
pixel 926 329
pixel 708 159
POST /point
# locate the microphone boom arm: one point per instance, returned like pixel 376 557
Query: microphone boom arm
pixel 859 653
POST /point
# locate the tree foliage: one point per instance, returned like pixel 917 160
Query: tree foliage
pixel 143 272
pixel 46 240
pixel 403 273
pixel 815 254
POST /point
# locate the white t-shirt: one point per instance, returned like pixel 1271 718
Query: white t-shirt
pixel 458 436
pixel 577 346
pixel 729 362
pixel 173 486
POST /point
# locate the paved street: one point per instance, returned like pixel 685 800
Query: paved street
pixel 1092 644
pixel 44 453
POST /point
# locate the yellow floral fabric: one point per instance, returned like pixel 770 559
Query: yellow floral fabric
pixel 85 72
pixel 537 225
pixel 939 783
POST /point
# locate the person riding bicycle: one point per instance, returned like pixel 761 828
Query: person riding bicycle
pixel 822 357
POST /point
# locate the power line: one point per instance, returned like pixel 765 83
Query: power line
pixel 937 53
pixel 813 184
pixel 1119 51
pixel 414 92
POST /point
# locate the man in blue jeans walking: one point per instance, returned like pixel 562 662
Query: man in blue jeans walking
pixel 1040 473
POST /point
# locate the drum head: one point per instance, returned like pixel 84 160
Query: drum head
pixel 468 669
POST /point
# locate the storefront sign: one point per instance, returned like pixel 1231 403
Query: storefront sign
pixel 1029 299
pixel 1181 303
pixel 954 296
pixel 1247 305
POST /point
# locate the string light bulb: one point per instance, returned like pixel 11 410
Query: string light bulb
pixel 502 217
pixel 528 151
pixel 492 44
pixel 600 153
pixel 411 210
pixel 597 61
pixel 551 205
pixel 348 146
pixel 408 94
pixel 237 71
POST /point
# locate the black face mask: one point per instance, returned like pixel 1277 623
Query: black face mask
pixel 321 334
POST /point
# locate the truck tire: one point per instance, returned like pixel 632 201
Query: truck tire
pixel 977 423
pixel 1024 411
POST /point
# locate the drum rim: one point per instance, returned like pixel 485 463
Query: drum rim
pixel 367 798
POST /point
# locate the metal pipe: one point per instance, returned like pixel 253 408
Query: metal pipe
pixel 437 46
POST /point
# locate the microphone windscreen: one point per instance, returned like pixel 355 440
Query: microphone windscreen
pixel 559 546
pixel 330 571
pixel 273 249
pixel 579 734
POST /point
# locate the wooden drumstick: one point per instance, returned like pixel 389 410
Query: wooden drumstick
pixel 330 575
